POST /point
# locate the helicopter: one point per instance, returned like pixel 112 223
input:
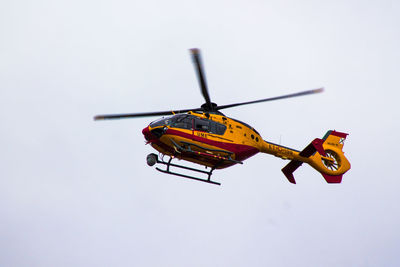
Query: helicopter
pixel 207 137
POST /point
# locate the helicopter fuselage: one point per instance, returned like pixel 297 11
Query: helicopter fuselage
pixel 217 141
pixel 207 137
pixel 212 140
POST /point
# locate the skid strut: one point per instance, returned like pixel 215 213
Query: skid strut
pixel 168 171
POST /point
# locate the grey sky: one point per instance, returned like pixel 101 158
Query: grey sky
pixel 74 192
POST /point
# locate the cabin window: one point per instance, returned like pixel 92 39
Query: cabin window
pixel 218 128
pixel 209 126
pixel 202 125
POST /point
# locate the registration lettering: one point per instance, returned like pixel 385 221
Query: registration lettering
pixel 280 150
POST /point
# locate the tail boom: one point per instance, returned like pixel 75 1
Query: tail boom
pixel 325 155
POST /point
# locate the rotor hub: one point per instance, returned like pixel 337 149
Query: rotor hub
pixel 206 108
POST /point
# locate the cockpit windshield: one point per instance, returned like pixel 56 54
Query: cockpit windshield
pixel 179 121
pixel 161 122
pixel 186 121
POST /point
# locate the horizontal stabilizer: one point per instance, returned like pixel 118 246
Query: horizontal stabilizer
pixel 290 168
pixel 314 146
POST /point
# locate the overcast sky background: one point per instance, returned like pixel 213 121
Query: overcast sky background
pixel 74 192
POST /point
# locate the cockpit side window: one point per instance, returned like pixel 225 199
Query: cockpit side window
pixel 183 122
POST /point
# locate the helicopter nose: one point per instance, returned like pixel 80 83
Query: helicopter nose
pixel 147 134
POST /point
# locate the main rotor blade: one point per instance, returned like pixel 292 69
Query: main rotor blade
pixel 308 92
pixel 195 52
pixel 143 114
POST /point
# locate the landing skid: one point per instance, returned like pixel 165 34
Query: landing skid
pixel 152 159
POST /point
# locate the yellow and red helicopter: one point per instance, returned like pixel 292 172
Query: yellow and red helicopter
pixel 207 137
